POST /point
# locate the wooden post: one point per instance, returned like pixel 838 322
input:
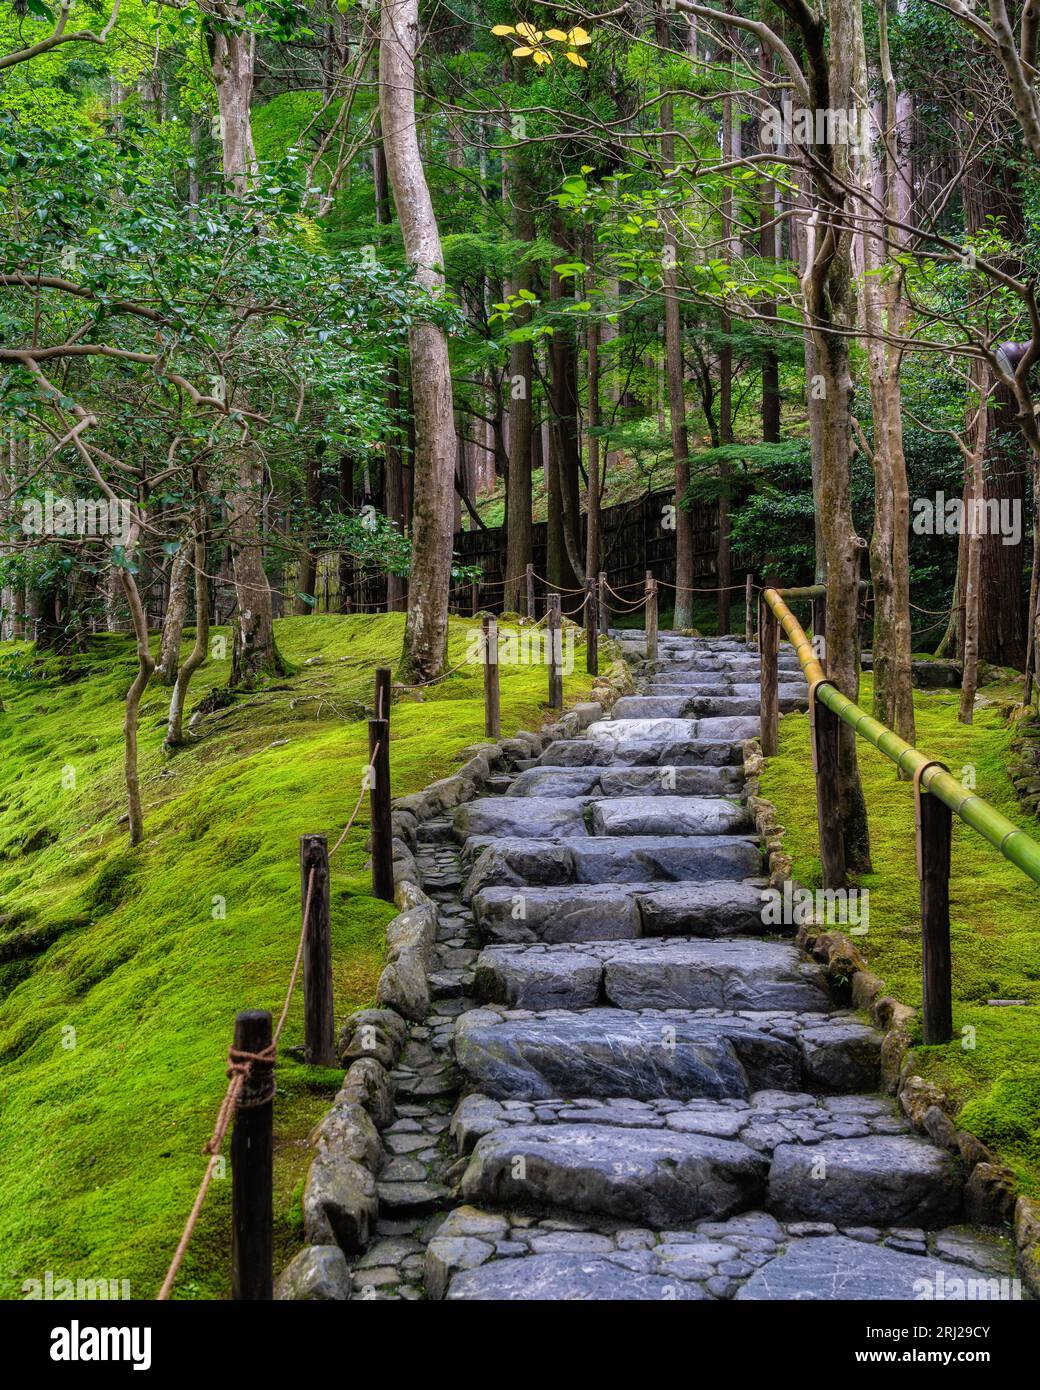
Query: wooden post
pixel 591 628
pixel 604 610
pixel 819 628
pixel 651 617
pixel 555 678
pixel 828 804
pixel 319 1030
pixel 769 705
pixel 474 598
pixel 252 1167
pixel 492 707
pixel 530 592
pixel 749 608
pixel 379 808
pixel 933 821
pixel 383 679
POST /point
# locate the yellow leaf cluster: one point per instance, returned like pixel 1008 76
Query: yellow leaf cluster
pixel 533 47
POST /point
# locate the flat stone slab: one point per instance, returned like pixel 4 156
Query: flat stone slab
pixel 618 911
pixel 641 752
pixel 608 859
pixel 833 1268
pixel 722 907
pixel 635 781
pixel 881 1181
pixel 574 912
pixel 649 1054
pixel 647 1175
pixel 537 817
pixel 651 974
pixel 668 815
pixel 655 730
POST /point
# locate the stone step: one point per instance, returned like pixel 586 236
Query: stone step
pixel 666 1054
pixel 609 912
pixel 641 752
pixel 555 817
pixel 668 815
pixel 607 731
pixel 650 974
pixel 706 1158
pixel 703 706
pixel 623 781
pixel 513 861
pixel 789 690
pixel 651 1176
pixel 615 912
pixel 735 668
pixel 752 1256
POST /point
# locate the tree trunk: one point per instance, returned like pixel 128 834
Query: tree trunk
pixel 829 297
pixel 683 518
pixel 884 316
pixel 254 654
pixel 307 570
pixel 975 487
pixel 173 624
pixel 232 62
pixel 520 531
pixel 426 630
pixel 197 655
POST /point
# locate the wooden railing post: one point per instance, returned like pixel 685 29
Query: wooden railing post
pixel 651 617
pixel 379 795
pixel 604 610
pixel 319 1027
pixel 474 599
pixel 933 824
pixel 252 1166
pixel 769 659
pixel 492 716
pixel 749 608
pixel 383 679
pixel 819 629
pixel 555 677
pixel 825 724
pixel 530 592
pixel 591 628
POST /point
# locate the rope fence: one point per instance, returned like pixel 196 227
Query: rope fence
pixel 247 1065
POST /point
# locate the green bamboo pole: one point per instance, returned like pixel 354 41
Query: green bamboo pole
pixel 1012 842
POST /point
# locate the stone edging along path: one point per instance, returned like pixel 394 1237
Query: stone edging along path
pixel 592 1073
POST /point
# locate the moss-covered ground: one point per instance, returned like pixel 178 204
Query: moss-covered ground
pixel 992 1068
pixel 121 970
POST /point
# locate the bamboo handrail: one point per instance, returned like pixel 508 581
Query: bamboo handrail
pixel 1012 842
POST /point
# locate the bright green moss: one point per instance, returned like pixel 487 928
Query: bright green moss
pixel 113 1034
pixel 992 1068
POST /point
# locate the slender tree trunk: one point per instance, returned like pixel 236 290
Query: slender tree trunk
pixel 426 630
pixel 197 655
pixel 829 297
pixel 769 249
pixel 974 489
pixel 173 624
pixel 683 518
pixel 307 570
pixel 884 317
pixel 254 653
pixel 520 531
pixel 563 356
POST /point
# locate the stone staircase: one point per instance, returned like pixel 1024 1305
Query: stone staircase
pixel 650 1096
